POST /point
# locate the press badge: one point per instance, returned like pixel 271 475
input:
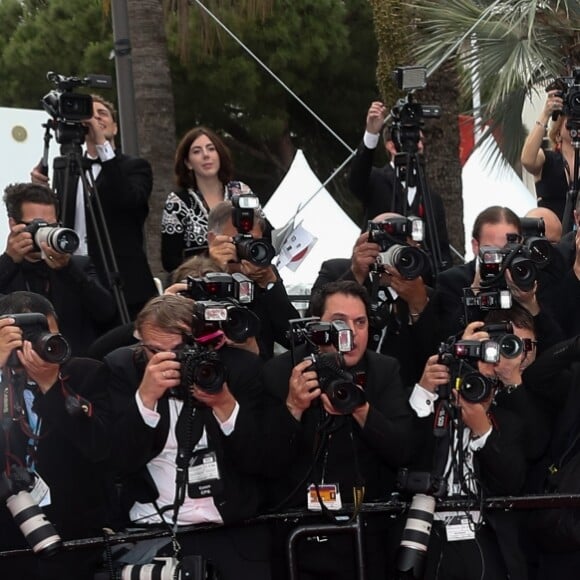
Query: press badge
pixel 329 494
pixel 204 475
pixel 459 525
pixel 40 492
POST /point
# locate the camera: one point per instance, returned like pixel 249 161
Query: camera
pixel 220 286
pixel 408 115
pixel 51 347
pixel 235 321
pixel 510 345
pixel 200 366
pixel 522 260
pixel 61 240
pixel 69 109
pixel 317 333
pixel 38 531
pixel 391 235
pixel 460 356
pixel 336 382
pixel 491 299
pixel 257 251
pixel 569 90
pixel 164 568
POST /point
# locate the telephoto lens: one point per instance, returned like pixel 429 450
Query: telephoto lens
pixel 38 531
pixel 412 553
pixel 159 569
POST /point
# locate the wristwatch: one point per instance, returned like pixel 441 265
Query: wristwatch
pixel 511 387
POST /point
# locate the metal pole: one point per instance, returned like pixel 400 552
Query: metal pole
pixel 124 75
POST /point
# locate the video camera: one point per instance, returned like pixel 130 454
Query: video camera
pixel 407 115
pixel 392 235
pixel 69 109
pixel 220 286
pixel 257 251
pixel 51 347
pixel 569 90
pixel 61 240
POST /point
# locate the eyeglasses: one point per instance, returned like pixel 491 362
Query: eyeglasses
pixel 529 344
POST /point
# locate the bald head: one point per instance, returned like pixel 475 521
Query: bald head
pixel 552 222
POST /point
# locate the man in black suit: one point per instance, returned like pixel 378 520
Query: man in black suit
pixel 309 441
pixel 486 453
pixel 403 324
pixel 56 423
pixel 375 187
pixel 166 424
pixel 123 187
pixel 71 283
pixel 271 302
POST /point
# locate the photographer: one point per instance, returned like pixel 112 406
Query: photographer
pixel 485 456
pixel 403 323
pixel 149 399
pixel 70 282
pixel 271 303
pixel 55 427
pixel 552 168
pixel 375 187
pixel 309 441
pixel 124 186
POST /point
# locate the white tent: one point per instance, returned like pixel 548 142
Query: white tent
pixel 319 214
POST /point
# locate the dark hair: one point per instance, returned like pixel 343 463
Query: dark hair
pixel 347 287
pixel 21 301
pixel 495 215
pixel 517 315
pixel 185 177
pixel 107 104
pixel 18 193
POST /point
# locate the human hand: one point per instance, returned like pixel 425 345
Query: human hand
pixel 19 243
pixel 37 175
pixel 161 373
pixel 554 102
pixel 376 116
pixel 474 415
pixel 250 344
pixel 43 373
pixel 95 131
pixel 176 288
pixel 261 275
pixel 434 374
pixel 364 254
pixel 10 339
pixel 413 292
pixel 527 298
pixel 222 403
pixel 303 388
pixel 474 331
pixel 54 260
pixel 222 250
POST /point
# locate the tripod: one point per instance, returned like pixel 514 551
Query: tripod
pixel 67 169
pixel 573 126
pixel 408 170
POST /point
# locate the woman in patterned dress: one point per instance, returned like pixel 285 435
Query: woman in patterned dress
pixel 203 172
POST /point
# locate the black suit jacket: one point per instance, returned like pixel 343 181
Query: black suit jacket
pixel 374 187
pixel 410 344
pixel 82 303
pixel 123 187
pixel 134 443
pixel 385 442
pixel 70 453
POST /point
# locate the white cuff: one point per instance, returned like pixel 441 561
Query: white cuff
pixel 150 417
pixel 105 151
pixel 422 401
pixel 371 140
pixel 479 442
pixel 229 424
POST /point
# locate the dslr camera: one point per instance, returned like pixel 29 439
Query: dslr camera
pixel 522 260
pixel 569 90
pixel 335 381
pixel 392 235
pixel 257 251
pixel 213 317
pixel 200 366
pixel 69 109
pixel 220 286
pixel 61 240
pixel 51 347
